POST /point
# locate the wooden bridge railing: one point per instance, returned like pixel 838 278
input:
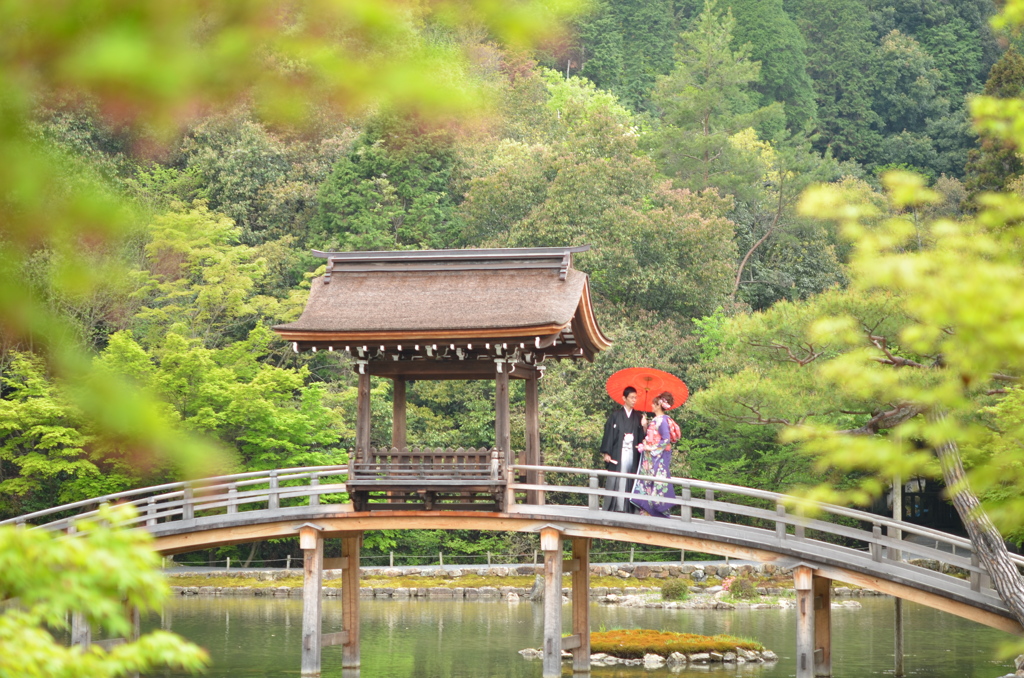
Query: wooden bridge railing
pixel 711 510
pixel 228 494
pixel 886 539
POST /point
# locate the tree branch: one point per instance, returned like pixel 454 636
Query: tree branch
pixel 887 419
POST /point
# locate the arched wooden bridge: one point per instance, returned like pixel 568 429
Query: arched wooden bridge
pixel 909 561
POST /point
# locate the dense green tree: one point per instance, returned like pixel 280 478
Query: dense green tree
pixel 840 44
pixel 776 43
pixel 42 448
pixel 997 161
pixel 654 247
pixel 907 85
pixel 267 414
pixel 625 45
pixel 392 191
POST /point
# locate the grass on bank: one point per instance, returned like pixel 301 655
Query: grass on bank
pixel 635 643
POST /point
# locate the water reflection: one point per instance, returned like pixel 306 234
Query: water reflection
pixel 260 638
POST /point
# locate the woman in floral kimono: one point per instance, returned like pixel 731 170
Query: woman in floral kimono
pixel 656 453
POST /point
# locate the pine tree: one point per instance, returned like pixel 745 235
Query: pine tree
pixel 706 98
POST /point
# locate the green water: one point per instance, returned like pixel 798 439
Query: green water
pixel 260 637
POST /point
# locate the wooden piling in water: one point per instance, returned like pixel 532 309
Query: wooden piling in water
pixel 802 582
pixel 312 544
pixel 581 604
pixel 551 544
pixel 822 589
pixel 813 624
pixel 351 543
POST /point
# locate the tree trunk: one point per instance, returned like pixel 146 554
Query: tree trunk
pixel 988 542
pixel 252 553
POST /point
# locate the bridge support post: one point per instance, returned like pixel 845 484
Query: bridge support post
pixel 813 624
pixel 312 544
pixel 351 543
pixel 822 626
pixel 81 633
pixel 581 604
pixel 551 544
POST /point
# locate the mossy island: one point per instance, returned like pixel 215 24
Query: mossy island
pixel 654 649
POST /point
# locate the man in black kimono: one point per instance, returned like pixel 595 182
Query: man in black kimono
pixel 623 431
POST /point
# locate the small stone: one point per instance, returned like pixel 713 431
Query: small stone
pixel 700 658
pixel 729 657
pixel 769 656
pixel 530 653
pixel 653 661
pixel 512 597
pixel 642 572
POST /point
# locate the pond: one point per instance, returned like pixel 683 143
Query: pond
pixel 260 637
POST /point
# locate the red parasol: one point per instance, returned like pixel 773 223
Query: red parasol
pixel 649 383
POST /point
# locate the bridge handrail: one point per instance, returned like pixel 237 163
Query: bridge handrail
pixel 779 499
pixel 213 482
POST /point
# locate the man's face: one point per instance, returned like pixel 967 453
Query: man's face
pixel 630 400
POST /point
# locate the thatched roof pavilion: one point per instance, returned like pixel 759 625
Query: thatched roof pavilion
pixel 433 302
pixel 451 314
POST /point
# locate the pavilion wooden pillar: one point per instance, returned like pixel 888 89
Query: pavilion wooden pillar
pixel 551 544
pixel 502 414
pixel 312 544
pixel 363 418
pixel 813 624
pixel 580 565
pixel 533 456
pixel 398 427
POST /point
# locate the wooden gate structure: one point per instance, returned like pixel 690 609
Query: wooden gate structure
pixel 436 315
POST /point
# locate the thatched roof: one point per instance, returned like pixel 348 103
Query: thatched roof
pixel 448 295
